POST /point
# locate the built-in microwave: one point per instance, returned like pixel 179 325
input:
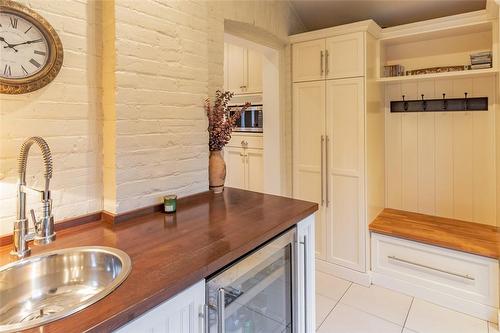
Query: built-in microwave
pixel 251 119
pixel 258 293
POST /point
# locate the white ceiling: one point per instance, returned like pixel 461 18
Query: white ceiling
pixel 318 14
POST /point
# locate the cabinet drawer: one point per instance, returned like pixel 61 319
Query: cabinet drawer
pixel 455 273
pixel 246 141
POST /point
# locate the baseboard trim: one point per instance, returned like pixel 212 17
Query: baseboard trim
pixel 474 309
pixel 361 278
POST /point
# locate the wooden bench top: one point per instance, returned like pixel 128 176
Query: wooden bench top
pixel 475 238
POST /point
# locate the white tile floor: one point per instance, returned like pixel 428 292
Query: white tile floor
pixel 345 307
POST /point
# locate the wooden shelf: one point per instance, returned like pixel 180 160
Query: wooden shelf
pixel 455 75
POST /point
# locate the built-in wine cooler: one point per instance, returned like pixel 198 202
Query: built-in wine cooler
pixel 257 293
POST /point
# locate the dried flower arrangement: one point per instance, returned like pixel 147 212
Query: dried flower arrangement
pixel 220 122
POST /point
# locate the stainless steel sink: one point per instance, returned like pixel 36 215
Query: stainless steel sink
pixel 53 285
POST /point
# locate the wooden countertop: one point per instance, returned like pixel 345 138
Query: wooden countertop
pixel 171 252
pixel 475 238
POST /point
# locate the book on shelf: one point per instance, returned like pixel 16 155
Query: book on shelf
pixel 394 70
pixel 480 66
pixel 481 54
pixel 481 60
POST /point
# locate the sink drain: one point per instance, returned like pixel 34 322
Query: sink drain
pixel 42 312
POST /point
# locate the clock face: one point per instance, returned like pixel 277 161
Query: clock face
pixel 24 50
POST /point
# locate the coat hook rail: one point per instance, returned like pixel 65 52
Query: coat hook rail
pixel 440 105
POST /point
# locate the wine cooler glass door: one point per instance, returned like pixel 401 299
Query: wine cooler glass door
pixel 256 294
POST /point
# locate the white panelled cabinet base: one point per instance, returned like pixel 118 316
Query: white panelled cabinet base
pixel 181 314
pixel 464 282
pixel 244 156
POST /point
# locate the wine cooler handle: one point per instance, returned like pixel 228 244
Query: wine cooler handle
pixel 206 322
pixel 220 311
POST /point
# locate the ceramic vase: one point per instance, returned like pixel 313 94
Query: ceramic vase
pixel 216 171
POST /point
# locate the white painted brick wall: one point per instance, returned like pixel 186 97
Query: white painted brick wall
pixel 169 57
pixel 66 113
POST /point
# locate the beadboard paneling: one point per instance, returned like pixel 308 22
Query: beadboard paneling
pixel 442 163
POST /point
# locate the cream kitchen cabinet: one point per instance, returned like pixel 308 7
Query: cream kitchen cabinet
pixel 181 314
pixel 244 156
pixel 242 70
pixel 333 108
pixel 328 165
pixel 329 58
pixel 344 56
pixel 308 60
pixel 309 107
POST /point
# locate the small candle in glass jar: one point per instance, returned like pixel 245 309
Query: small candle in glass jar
pixel 170 203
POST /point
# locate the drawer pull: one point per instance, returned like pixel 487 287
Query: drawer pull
pixel 468 277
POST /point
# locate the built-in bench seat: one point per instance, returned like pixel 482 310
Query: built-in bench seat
pixel 449 262
pixel 475 238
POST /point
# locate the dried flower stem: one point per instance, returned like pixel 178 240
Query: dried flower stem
pixel 220 122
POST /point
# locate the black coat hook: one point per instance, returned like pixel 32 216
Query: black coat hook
pixel 445 102
pixel 405 104
pixel 424 103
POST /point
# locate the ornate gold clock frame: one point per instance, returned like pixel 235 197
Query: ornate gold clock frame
pixel 54 63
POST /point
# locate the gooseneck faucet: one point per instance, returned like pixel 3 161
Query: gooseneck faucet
pixel 44 227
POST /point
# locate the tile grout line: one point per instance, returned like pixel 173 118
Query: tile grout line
pixel 378 316
pixel 345 292
pixel 407 314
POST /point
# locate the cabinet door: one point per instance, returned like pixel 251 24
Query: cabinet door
pixel 235 167
pixel 345 165
pixel 345 56
pixel 308 60
pixel 236 62
pixel 254 72
pixel 255 169
pixel 308 150
pixel 306 275
pixel 180 314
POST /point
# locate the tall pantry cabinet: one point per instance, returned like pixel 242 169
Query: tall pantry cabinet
pixel 332 138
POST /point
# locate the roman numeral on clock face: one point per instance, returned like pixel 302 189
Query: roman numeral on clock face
pixel 13 22
pixel 7 71
pixel 35 63
pixel 24 70
pixel 40 52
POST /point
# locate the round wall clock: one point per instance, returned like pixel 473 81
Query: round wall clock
pixel 31 53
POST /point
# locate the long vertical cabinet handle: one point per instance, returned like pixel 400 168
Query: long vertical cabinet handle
pixel 322 162
pixel 327 67
pixel 206 322
pixel 221 321
pixel 321 62
pixel 304 243
pixel 327 172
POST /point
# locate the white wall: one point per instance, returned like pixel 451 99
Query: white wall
pixel 66 113
pixel 442 163
pixel 168 56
